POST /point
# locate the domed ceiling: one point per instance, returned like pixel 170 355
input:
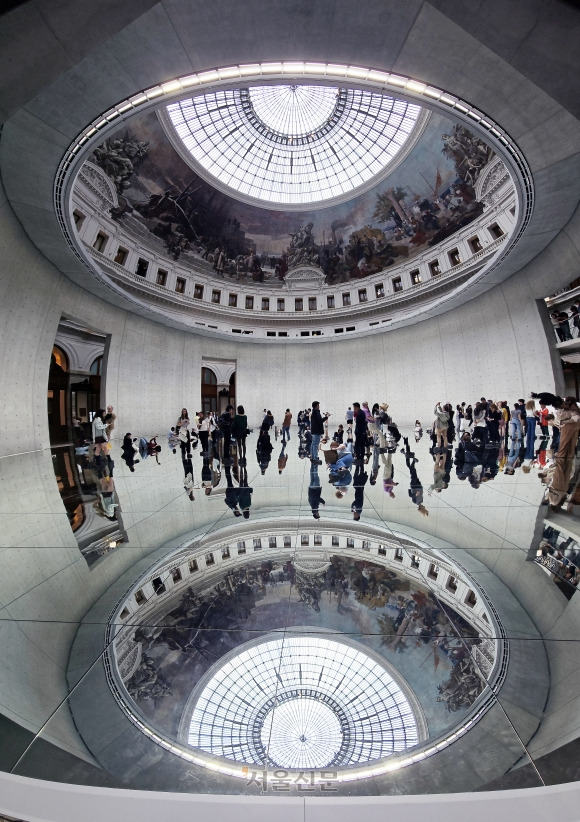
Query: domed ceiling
pixel 293 187
pixel 426 198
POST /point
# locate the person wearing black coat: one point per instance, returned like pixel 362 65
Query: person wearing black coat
pixel 317 430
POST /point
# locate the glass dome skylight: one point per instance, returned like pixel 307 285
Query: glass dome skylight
pixel 302 702
pixel 289 145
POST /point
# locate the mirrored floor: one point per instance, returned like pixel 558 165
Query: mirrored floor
pixel 441 577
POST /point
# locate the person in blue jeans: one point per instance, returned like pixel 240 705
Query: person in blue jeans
pixel 516 422
pixel 531 420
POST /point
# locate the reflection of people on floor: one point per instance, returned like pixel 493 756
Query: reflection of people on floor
pixel 283 458
pixel 314 492
pixel 206 475
pixel 245 493
pixel 359 481
pixel 188 473
pixel 415 487
pixel 107 497
pixel 388 475
pixel 232 493
pixel 129 450
pixel 264 450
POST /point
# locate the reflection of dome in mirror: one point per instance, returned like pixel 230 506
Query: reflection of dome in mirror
pixel 303 701
pixel 291 145
pixel 302 733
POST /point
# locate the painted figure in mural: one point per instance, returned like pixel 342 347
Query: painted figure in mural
pixel 468 152
pixel 119 158
pixel 303 250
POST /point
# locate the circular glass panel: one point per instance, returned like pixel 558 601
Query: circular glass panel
pixel 302 702
pixel 293 111
pixel 288 145
pixel 302 733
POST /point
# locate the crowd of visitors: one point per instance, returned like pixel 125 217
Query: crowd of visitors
pixel 471 443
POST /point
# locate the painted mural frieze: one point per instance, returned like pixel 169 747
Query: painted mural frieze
pixel 429 196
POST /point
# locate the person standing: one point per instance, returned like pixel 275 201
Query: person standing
pixel 240 432
pixel 360 433
pixel 204 428
pixel 225 426
pixel 349 419
pixel 286 423
pixel 317 430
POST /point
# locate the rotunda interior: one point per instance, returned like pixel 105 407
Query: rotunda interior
pixel 287 208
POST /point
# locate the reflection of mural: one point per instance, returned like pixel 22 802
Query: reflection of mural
pixel 403 617
pixel 428 197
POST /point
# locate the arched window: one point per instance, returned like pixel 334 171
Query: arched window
pixel 96 366
pixel 208 377
pixel 60 358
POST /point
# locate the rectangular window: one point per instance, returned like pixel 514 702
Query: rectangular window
pixel 470 599
pixel 79 219
pixel 121 256
pixel 434 268
pixel 379 290
pixel 161 277
pixel 304 540
pixel 350 328
pixel 338 330
pixel 298 304
pixel 318 539
pixel 209 559
pixel 349 542
pixel 142 267
pixel 249 302
pixel 305 333
pixel 140 597
pixel 241 548
pixel 312 303
pixel 415 277
pixel 233 300
pixel 335 542
pixel 225 553
pixel 158 586
pixel 176 575
pixel 496 231
pixel 257 543
pixel 100 242
pixel 362 295
pixel 216 296
pixel 180 285
pixel 193 566
pixel 330 301
pixel 282 333
pixel 414 561
pixel 198 291
pixel 475 245
pixel 271 542
pixel 383 552
pixel 270 333
pixel 451 585
pixel 433 571
pixel 346 299
pixel 281 304
pixel 265 303
pixel 317 333
pixel 398 554
pixel 397 284
pixel 287 542
pixel 454 257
